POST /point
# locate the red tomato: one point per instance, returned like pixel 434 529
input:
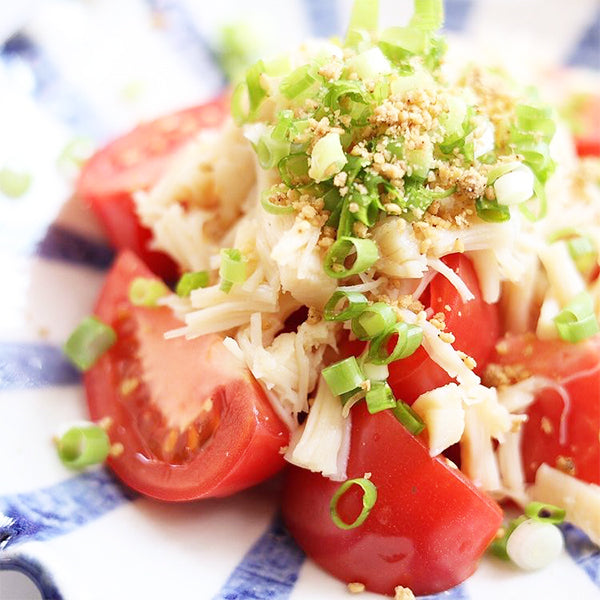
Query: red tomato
pixel 135 162
pixel 576 367
pixel 475 325
pixel 427 530
pixel 192 420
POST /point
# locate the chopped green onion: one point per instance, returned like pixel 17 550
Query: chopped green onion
pixel 370 64
pixel 88 342
pixel 502 169
pixel 498 546
pixel 372 371
pixel 584 253
pixel 327 158
pixel 546 513
pixel 380 397
pixel 373 321
pixel 534 545
pixel 273 208
pixel 577 321
pixel 84 446
pixel 270 151
pixel 368 501
pixel 343 376
pixel 409 338
pixel 145 291
pixel 75 153
pixel 428 15
pixel 285 120
pixel 491 212
pixel 515 186
pixel 343 306
pixel 398 44
pixel 239 97
pixel 14 184
pixel 232 269
pixel 364 251
pixel 238 46
pixel 364 19
pixel 293 170
pixel 191 281
pixel 298 81
pixel 256 92
pixel 408 417
pixel 539 197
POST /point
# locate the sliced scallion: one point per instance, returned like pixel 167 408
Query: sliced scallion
pixel 13 183
pixel 343 376
pixel 145 291
pixel 343 306
pixel 491 212
pixel 380 397
pixel 408 339
pixel 546 513
pixel 583 252
pixel 369 499
pixel 363 251
pixel 272 207
pixel 577 321
pixel 88 342
pixel 256 92
pixel 408 417
pixel 232 269
pixel 84 446
pixel 373 321
pixel 191 281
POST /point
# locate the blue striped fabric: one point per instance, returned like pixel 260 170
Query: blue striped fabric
pixel 49 512
pixel 268 570
pixel 585 554
pixel 587 51
pixel 272 565
pixel 33 365
pixel 457 14
pixel 62 244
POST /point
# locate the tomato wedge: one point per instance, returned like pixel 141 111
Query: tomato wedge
pixel 192 420
pixel 136 161
pixel 427 530
pixel 474 324
pixel 575 367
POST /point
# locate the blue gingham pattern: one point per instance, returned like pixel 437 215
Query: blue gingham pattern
pixel 58 79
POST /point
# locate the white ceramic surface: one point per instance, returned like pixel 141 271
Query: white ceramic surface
pixel 69 72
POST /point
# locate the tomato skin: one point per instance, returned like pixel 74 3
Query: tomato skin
pixel 577 368
pixel 475 325
pixel 134 162
pixel 427 529
pixel 240 436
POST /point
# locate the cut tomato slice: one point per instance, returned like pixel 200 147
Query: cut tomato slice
pixel 136 161
pixel 192 420
pixel 426 531
pixel 563 427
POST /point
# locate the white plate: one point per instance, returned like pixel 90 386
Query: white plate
pixel 95 68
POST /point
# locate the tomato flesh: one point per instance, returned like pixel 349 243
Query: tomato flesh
pixel 135 162
pixel 427 530
pixel 576 367
pixel 474 324
pixel 192 420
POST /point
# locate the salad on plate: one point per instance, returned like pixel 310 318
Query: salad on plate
pixel 373 265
